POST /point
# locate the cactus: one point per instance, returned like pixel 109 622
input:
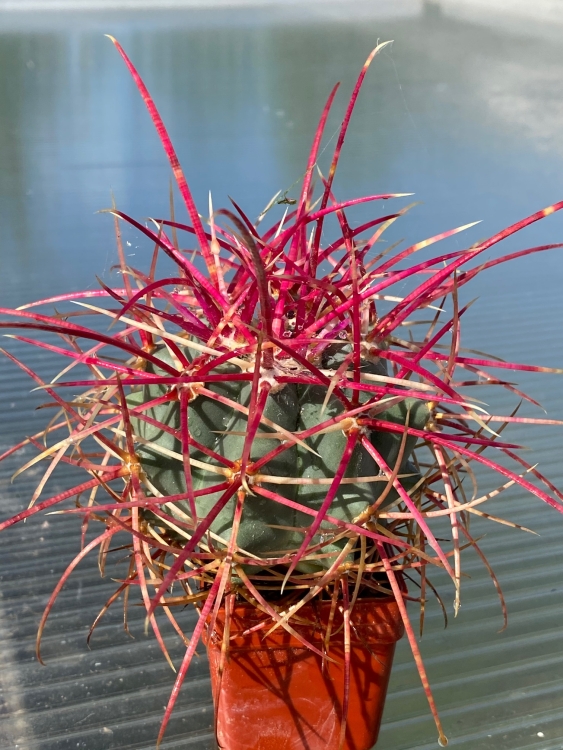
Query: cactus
pixel 265 426
pixel 295 407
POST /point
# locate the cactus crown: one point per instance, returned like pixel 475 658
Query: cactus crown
pixel 264 421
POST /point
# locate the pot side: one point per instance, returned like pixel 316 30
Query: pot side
pixel 275 694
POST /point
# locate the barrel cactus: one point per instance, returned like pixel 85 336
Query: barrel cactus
pixel 268 529
pixel 266 424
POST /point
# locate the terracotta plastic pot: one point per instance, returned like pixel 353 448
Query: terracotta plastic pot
pixel 275 694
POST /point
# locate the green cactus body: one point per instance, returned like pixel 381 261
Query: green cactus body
pixel 294 408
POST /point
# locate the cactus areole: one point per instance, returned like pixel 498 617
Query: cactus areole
pixel 282 424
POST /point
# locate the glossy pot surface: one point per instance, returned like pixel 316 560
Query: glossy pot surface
pixel 275 694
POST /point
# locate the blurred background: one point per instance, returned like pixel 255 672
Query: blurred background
pixel 465 109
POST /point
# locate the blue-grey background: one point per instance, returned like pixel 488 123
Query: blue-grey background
pixel 466 111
